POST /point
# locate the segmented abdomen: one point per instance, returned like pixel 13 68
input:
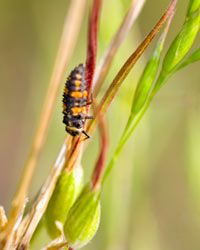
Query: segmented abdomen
pixel 75 101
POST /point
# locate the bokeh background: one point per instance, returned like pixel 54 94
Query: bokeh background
pixel 151 201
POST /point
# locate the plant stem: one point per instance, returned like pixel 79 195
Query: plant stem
pixel 123 140
pixel 68 40
pixel 133 122
pixel 3 218
pixel 128 65
pixel 90 69
pixel 107 58
pixel 39 206
pixel 100 164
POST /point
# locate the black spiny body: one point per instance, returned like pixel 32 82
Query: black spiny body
pixel 75 99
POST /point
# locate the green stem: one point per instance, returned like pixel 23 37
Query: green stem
pixel 124 138
pixel 132 123
pixel 159 83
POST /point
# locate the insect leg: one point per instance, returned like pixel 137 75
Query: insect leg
pixel 91 100
pixel 85 133
pixel 89 117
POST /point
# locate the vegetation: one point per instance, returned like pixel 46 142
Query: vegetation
pixel 67 208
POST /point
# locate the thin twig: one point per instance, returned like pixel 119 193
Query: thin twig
pixel 134 119
pixel 141 49
pixel 92 43
pixel 40 204
pixel 74 153
pixel 3 218
pixel 128 65
pixel 75 146
pixel 42 200
pixel 58 243
pixel 57 246
pixel 108 57
pixel 100 164
pixel 90 69
pixel 67 44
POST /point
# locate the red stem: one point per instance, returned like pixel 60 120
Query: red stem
pixel 92 43
pixel 100 164
pixel 90 67
pixel 71 157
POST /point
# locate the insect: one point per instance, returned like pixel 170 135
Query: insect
pixel 75 102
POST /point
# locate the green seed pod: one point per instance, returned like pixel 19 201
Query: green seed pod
pixel 64 195
pixel 146 81
pixel 194 57
pixel 194 5
pixel 182 43
pixel 83 218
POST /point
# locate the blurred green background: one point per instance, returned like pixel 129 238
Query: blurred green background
pixel 152 199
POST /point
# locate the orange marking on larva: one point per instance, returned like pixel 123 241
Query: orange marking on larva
pixel 76 94
pixel 85 93
pixel 76 110
pixel 84 111
pixel 77 83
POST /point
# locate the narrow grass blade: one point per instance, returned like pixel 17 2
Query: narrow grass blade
pixel 31 221
pixel 140 101
pixel 92 42
pixel 107 59
pixel 149 75
pixel 126 68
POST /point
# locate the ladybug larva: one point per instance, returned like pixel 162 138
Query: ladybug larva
pixel 75 101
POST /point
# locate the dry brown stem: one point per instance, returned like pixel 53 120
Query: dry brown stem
pixel 40 205
pixel 68 40
pixel 108 57
pixel 128 65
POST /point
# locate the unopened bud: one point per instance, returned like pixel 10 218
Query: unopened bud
pixel 64 195
pixel 83 218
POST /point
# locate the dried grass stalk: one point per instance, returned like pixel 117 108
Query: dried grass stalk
pixel 68 40
pixel 107 59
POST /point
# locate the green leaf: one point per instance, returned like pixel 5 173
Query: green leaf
pixel 64 195
pixel 83 218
